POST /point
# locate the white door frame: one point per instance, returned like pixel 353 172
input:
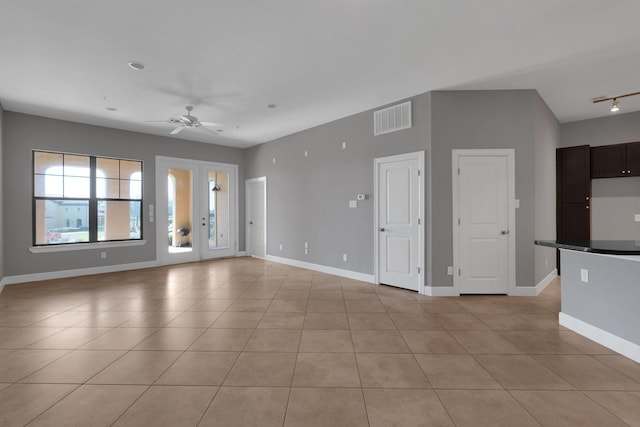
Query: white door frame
pixel 197 166
pixel 509 153
pixel 419 155
pixel 248 228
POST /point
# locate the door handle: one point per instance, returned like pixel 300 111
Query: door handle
pixel 504 232
pixel 250 222
pixel 381 228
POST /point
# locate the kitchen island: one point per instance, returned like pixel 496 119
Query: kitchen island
pixel 601 291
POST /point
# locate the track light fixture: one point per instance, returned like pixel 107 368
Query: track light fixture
pixel 615 103
pixel 615 106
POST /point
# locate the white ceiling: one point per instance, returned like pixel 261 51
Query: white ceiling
pixel 317 60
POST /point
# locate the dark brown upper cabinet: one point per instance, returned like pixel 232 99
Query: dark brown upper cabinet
pixel 615 161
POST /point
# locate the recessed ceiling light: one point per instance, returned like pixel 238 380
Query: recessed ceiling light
pixel 112 109
pixel 136 65
pixel 271 106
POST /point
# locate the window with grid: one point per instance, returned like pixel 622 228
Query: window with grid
pixel 83 199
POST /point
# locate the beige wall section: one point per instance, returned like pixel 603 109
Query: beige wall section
pixel 116 221
pixel 41 229
pixel 183 206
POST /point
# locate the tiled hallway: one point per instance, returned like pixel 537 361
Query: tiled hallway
pixel 245 342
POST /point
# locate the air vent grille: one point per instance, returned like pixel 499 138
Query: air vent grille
pixel 392 118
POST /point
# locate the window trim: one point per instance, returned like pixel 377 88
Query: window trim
pixel 92 208
pixel 81 246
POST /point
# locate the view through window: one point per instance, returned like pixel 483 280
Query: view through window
pixel 80 199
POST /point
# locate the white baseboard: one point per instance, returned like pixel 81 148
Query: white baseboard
pixel 532 291
pixel 10 280
pixel 241 253
pixel 363 277
pixel 440 291
pixel 602 337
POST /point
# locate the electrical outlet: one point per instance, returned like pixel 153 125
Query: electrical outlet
pixel 306 245
pixel 306 251
pixel 103 255
pixel 584 275
pixel 280 246
pixel 344 257
pixel 450 271
pixel 353 203
pixel 274 160
pixel 344 145
pixel 637 217
pixel 306 153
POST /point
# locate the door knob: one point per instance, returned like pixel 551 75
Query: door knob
pixel 381 228
pixel 504 232
pixel 250 222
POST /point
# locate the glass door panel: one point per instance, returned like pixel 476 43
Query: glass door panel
pixel 180 210
pixel 218 216
pixel 218 194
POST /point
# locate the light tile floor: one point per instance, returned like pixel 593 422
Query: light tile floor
pixel 245 342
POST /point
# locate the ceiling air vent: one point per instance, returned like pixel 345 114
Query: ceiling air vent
pixel 392 118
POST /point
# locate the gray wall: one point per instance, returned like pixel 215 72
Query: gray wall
pixel 610 300
pixel 2 181
pixel 307 197
pixel 23 133
pixel 547 139
pixel 474 120
pixel 615 201
pixel 614 129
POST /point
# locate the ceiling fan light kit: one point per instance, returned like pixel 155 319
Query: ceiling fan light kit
pixel 184 121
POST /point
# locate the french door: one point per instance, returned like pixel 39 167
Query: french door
pixel 196 213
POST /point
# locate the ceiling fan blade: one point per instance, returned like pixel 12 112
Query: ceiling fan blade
pixel 177 130
pixel 210 130
pixel 212 124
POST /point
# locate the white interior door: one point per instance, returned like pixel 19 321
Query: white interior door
pixel 399 207
pixel 195 210
pixel 484 225
pixel 256 208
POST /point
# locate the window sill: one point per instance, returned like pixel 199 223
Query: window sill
pixel 85 246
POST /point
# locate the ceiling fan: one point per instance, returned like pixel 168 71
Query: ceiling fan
pixel 184 121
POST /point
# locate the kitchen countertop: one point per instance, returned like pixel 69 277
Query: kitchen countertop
pixel 607 247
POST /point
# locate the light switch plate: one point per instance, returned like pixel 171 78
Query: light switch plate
pixel 584 275
pixel 637 217
pixel 353 203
